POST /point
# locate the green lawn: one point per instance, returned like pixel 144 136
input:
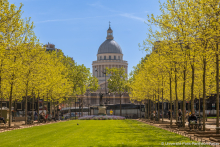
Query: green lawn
pixel 211 117
pixel 90 133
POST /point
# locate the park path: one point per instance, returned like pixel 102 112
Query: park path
pixel 184 131
pixel 20 125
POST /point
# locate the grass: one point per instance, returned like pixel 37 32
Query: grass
pixel 100 133
pixel 214 117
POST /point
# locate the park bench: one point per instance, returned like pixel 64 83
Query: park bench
pixel 16 119
pixel 1 122
pixel 29 120
pixel 179 123
pixel 196 125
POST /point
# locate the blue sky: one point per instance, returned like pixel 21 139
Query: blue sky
pixel 79 27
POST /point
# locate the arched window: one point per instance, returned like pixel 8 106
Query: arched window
pixel 104 57
pixel 114 57
pixel 100 57
pixel 109 57
pixel 118 57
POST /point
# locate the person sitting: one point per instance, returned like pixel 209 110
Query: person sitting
pixel 2 118
pixel 180 114
pixel 192 118
pixel 169 114
pixel 42 116
pixel 51 117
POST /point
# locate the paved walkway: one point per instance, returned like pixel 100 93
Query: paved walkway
pixel 210 125
pixel 21 125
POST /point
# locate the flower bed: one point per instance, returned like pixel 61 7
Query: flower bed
pixel 102 117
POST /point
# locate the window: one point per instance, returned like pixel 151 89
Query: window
pixel 31 106
pixel 4 104
pixel 100 57
pixel 118 57
pixel 109 57
pixel 104 57
pixel 114 57
pixel 19 106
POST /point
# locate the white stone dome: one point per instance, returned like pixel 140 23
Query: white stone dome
pixel 109 46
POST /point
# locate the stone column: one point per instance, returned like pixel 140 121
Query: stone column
pixel 93 70
pixel 97 100
pixel 113 98
pixel 100 70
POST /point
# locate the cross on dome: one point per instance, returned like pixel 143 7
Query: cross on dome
pixel 109 32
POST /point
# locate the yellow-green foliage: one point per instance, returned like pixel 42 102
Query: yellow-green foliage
pixel 187 32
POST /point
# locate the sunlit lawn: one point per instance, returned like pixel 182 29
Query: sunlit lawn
pixel 90 133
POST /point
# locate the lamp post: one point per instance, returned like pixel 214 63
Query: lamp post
pixel 109 97
pixel 104 72
pixel 88 110
pixel 88 101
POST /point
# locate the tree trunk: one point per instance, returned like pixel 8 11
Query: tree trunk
pixel 184 95
pixel 148 116
pixel 199 104
pixel 70 106
pixel 54 106
pixel 47 108
pixel 15 108
pixel 162 102
pixel 217 90
pixel 32 105
pixel 170 99
pixel 10 102
pixel 1 93
pixel 158 105
pixel 154 106
pixel 176 95
pixel 57 110
pixel 82 106
pixel 38 107
pixel 120 106
pixel 192 88
pixel 204 91
pixel 75 108
pixel 145 110
pixel 26 108
pixel 1 104
pixel 140 109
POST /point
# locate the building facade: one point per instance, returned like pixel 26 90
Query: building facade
pixel 109 55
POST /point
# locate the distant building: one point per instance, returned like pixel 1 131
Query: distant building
pixel 156 44
pixel 109 55
pixel 51 47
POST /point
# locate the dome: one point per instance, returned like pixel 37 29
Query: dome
pixel 109 46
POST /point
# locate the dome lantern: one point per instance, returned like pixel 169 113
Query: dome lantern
pixel 109 33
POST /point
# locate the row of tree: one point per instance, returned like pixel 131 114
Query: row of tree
pixel 27 70
pixel 184 63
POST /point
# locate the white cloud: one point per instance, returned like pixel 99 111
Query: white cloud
pixel 132 17
pixel 98 5
pixel 70 19
pixel 53 20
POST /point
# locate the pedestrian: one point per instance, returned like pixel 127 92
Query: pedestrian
pixel 192 118
pixel 35 115
pixel 180 114
pixel 187 116
pixel 2 118
pixel 169 114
